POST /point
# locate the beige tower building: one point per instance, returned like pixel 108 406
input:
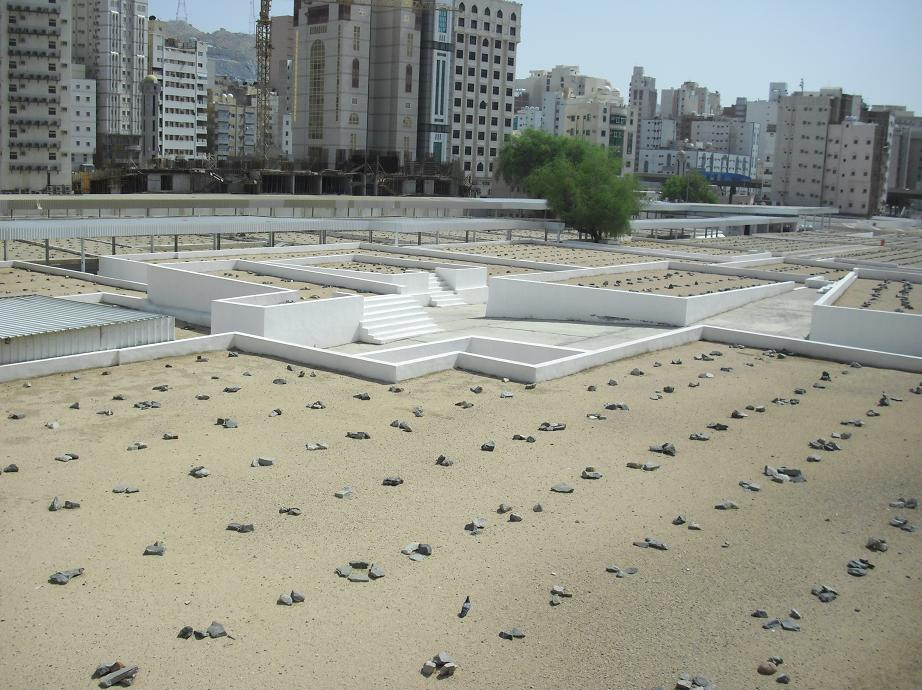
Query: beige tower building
pixel 35 96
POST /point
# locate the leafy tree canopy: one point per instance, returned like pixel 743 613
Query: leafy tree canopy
pixel 690 187
pixel 581 182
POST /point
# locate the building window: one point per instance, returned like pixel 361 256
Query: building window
pixel 356 38
pixel 408 79
pixel 354 120
pixel 409 45
pixel 345 11
pixel 315 100
pixel 443 21
pixel 355 73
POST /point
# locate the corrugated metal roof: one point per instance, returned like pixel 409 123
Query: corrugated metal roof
pixel 24 315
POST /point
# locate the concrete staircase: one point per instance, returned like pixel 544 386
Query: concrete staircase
pixel 393 317
pixel 440 295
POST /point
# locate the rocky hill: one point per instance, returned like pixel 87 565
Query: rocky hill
pixel 234 54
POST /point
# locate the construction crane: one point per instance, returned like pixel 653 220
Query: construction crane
pixel 263 57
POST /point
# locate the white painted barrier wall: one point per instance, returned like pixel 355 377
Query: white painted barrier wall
pixel 865 328
pixel 194 292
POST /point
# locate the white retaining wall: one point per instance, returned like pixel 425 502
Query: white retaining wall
pixel 126 283
pixel 865 328
pixel 529 297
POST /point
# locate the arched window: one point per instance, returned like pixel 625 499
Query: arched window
pixel 512 16
pixel 499 14
pixel 480 167
pixel 461 7
pixel 355 73
pixel 315 95
pixel 486 11
pixel 408 80
pixel 473 9
pixel 354 120
pixel 408 122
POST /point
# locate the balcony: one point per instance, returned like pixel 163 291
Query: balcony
pixel 35 9
pixel 33 30
pixel 34 76
pixel 16 144
pixel 34 52
pixel 34 121
pixel 25 98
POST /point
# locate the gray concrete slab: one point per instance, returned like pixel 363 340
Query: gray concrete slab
pixel 787 314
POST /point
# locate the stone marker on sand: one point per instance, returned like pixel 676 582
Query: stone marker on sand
pixel 62 577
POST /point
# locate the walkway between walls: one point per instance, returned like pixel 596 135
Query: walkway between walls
pixel 787 315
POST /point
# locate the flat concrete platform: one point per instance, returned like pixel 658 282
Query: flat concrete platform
pixel 787 314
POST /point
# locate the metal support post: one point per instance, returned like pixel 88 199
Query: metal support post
pixel 82 256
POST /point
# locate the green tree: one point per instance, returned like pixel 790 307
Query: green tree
pixel 690 187
pixel 532 149
pixel 588 194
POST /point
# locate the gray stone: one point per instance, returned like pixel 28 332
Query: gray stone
pixel 726 505
pixel 285 600
pixel 750 486
pixel 537 508
pixel 428 668
pixel 410 548
pixel 232 389
pixel 760 613
pixel 297 597
pixel 465 607
pixel 417 557
pixel 277 412
pixel 12 467
pixel 392 481
pixel 444 462
pixel 375 572
pixel 242 528
pixel 591 473
pixel 358 435
pixel 229 423
pixel 122 676
pixel 185 632
pixel 424 549
pixel 417 412
pixel 155 549
pixel 344 570
pixel 71 505
pixel 62 577
pixel 345 492
pixel 168 436
pixel 504 508
pixel 783 678
pixel 55 504
pixel 489 446
pixel 216 630
pixel 319 445
pixel 355 576
pixel 562 488
pixel 679 520
pixel 515 517
pixel 766 668
pixel 477 389
pixel 262 462
pixel 464 405
pixel 362 396
pixel 317 405
pixel 279 382
pixel 199 472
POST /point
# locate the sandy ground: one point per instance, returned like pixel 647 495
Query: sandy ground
pixel 775 243
pixel 588 258
pixel 905 256
pixel 861 294
pixel 831 274
pixel 18 281
pixel 307 290
pixel 687 609
pixel 676 283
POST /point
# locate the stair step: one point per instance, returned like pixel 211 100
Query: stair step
pixel 379 338
pixel 385 323
pixel 390 309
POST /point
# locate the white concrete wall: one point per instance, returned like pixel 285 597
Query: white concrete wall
pixel 194 292
pixel 868 329
pixel 126 283
pixel 463 278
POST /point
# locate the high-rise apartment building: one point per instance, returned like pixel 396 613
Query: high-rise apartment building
pixel 825 155
pixel 331 113
pixel 434 116
pixel 35 96
pixel 564 79
pixel 110 39
pixel 181 68
pixel 689 99
pixel 82 119
pixel 486 38
pixel 642 94
pixel 393 80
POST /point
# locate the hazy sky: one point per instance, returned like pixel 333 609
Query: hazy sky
pixel 733 46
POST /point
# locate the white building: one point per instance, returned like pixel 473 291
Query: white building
pixel 689 99
pixel 35 96
pixel 765 115
pixel 110 38
pixel 905 169
pixel 825 155
pixel 674 161
pixel 529 117
pixel 591 118
pixel 656 133
pixel 181 67
pixel 563 79
pixel 82 118
pixel 486 37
